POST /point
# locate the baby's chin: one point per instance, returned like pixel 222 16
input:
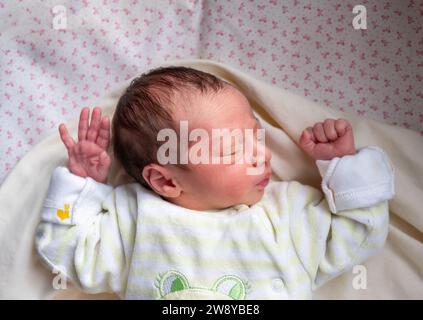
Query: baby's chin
pixel 258 197
pixel 254 197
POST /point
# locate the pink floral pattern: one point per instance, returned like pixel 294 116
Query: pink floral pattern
pixel 307 47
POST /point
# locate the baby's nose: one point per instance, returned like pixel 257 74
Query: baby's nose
pixel 268 155
pixel 263 156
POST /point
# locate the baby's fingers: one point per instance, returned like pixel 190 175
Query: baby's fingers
pixel 319 132
pixel 308 140
pixel 341 126
pixel 66 138
pixel 329 128
pixel 83 124
pixel 103 138
pixel 92 133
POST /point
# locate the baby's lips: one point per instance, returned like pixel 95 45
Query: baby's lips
pixel 264 182
pixel 265 179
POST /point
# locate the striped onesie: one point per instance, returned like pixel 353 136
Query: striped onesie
pixel 130 241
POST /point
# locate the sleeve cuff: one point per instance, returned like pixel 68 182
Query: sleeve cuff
pixel 72 199
pixel 357 181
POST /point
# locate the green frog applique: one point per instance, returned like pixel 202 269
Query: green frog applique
pixel 173 285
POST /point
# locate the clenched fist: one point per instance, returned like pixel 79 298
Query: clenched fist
pixel 89 157
pixel 329 139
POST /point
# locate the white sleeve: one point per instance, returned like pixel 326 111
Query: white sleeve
pixel 82 196
pixel 357 181
pixel 349 222
pixel 87 231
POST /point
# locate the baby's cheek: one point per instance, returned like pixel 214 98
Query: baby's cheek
pixel 236 182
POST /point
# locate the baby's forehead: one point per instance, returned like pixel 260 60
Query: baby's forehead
pixel 224 107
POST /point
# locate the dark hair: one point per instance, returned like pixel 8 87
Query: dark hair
pixel 146 107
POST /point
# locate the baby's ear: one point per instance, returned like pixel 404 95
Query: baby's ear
pixel 161 180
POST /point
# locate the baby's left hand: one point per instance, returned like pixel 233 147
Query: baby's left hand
pixel 327 140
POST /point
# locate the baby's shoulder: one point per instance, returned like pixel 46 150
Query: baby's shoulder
pixel 133 191
pixel 278 191
pixel 274 192
pixel 277 188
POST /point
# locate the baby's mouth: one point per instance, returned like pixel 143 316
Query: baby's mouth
pixel 263 182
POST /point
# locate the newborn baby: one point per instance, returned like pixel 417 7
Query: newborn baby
pixel 208 230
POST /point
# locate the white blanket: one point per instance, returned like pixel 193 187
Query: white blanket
pixel 395 273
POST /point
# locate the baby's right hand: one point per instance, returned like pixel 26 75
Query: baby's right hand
pixel 89 157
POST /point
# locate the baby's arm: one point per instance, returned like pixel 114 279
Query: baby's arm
pixel 87 230
pixel 349 223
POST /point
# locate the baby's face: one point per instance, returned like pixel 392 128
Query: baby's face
pixel 209 186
